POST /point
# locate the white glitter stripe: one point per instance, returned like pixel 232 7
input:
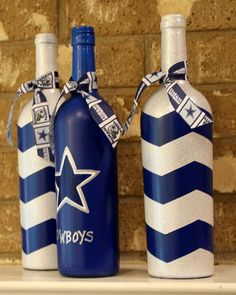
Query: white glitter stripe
pixel 38 210
pixel 31 163
pixel 25 116
pixel 177 153
pixel 44 258
pixel 199 263
pixel 178 213
pixel 164 106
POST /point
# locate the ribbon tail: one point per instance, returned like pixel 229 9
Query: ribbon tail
pixel 24 88
pixel 40 122
pixel 141 87
pixel 104 117
pixel 52 120
pixel 9 127
pixel 146 81
pixel 9 136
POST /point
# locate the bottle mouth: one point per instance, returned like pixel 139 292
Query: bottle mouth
pixel 83 35
pixel 45 38
pixel 173 21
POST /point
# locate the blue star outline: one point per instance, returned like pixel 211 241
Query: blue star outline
pixel 190 111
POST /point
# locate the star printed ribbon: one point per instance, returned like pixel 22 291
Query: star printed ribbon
pixel 40 112
pixel 99 109
pixel 107 120
pixel 194 117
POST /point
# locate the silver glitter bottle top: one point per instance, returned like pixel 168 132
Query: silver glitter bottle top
pixel 173 40
pixel 46 53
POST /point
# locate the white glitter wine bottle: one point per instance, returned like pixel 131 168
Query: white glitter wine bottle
pixel 177 168
pixel 37 175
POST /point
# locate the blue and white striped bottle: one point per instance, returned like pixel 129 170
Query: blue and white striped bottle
pixel 37 179
pixel 177 169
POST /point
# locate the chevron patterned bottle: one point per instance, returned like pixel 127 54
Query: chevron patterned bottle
pixel 87 228
pixel 37 180
pixel 177 170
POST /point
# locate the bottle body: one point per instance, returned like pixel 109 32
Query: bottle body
pixel 177 169
pixel 86 179
pixel 36 166
pixel 37 194
pixel 87 233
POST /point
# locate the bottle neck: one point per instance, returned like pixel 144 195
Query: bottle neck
pixel 83 60
pixel 46 58
pixel 173 47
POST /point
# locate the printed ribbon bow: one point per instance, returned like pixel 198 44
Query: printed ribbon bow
pixel 40 112
pixel 99 109
pixel 107 120
pixel 178 98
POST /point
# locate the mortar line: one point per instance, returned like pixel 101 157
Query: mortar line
pixel 60 39
pixel 134 87
pixel 10 201
pixel 124 87
pixel 159 33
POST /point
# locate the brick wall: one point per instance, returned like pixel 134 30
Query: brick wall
pixel 128 46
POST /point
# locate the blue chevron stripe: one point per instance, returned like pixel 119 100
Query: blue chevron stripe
pixel 39 236
pixel 26 132
pixel 166 188
pixel 168 247
pixel 169 127
pixel 37 184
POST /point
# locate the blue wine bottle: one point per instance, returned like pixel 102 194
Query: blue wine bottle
pixel 86 179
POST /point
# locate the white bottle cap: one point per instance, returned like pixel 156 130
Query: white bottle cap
pixel 45 38
pixel 173 20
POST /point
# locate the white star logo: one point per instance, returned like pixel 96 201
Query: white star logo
pixel 93 173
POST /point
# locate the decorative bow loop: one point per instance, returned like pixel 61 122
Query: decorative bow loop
pixel 178 98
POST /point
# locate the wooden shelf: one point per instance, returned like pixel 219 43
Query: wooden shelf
pixel 132 279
